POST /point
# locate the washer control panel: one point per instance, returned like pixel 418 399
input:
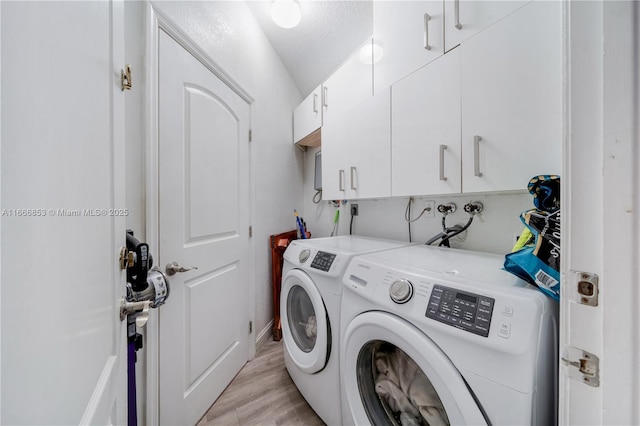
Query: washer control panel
pixel 467 311
pixel 323 261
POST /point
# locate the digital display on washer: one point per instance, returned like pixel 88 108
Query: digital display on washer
pixel 466 311
pixel 323 261
pixel 468 298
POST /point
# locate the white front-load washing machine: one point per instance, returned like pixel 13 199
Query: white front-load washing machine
pixel 310 314
pixel 435 335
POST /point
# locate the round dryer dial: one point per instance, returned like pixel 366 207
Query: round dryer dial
pixel 304 255
pixel 401 291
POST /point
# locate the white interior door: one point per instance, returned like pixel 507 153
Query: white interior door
pixel 203 222
pixel 63 344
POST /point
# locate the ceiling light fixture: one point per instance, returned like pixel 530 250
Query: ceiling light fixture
pixel 285 13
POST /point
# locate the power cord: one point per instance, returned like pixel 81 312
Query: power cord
pixel 351 225
pixel 407 215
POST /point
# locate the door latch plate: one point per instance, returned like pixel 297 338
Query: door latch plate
pixel 586 289
pixel 582 365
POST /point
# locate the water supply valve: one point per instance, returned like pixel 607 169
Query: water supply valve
pixel 445 209
pixel 473 207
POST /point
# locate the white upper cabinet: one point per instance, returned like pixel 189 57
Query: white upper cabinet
pixel 307 117
pixel 426 152
pixel 410 35
pixel 484 117
pixel 350 85
pixel 511 76
pixel 356 151
pixel 464 18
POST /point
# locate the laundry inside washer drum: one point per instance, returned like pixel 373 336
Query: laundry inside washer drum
pixel 394 390
pixel 302 318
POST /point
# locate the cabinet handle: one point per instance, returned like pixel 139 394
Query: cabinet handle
pixel 324 97
pixel 456 6
pixel 341 180
pixel 476 155
pixel 442 176
pixel 427 18
pixel 315 102
pixel 353 178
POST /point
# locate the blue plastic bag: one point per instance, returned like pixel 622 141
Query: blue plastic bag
pixel 538 263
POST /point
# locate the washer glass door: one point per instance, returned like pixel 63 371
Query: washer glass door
pixel 395 375
pixel 305 324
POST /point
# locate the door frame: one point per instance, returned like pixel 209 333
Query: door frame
pixel 600 226
pixel 157 21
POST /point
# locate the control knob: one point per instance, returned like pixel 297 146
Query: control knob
pixel 401 291
pixel 304 255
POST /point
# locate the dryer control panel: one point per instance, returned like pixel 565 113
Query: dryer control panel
pixel 467 311
pixel 323 261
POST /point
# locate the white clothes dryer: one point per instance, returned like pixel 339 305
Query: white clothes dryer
pixel 435 335
pixel 310 313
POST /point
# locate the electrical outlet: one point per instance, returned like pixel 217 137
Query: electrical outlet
pixel 354 210
pixel 431 208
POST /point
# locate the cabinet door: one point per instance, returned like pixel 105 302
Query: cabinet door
pixel 410 34
pixel 369 127
pixel 511 77
pixel 334 164
pixel 425 130
pixel 356 151
pixel 350 85
pixel 464 18
pixel 307 116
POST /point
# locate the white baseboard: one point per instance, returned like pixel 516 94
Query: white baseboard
pixel 264 336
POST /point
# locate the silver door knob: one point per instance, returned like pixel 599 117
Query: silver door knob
pixel 173 267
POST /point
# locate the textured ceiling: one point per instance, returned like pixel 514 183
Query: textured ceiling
pixel 328 33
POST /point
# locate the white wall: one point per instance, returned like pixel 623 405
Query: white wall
pixel 493 231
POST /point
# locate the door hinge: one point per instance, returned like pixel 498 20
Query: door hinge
pixel 250 326
pixel 125 78
pixel 582 365
pixel 250 135
pixel 585 288
pixel 250 231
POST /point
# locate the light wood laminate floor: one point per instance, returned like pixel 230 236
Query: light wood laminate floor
pixel 262 394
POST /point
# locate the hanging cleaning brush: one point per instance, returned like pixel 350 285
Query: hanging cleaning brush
pixel 336 218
